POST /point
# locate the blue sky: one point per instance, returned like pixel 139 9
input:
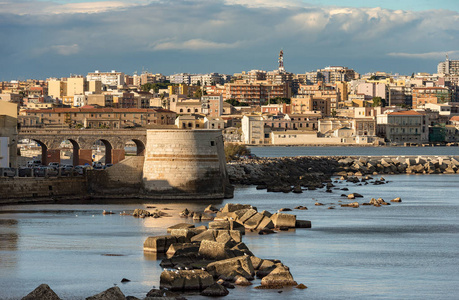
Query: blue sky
pixel 43 39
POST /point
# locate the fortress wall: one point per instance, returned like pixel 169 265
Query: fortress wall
pixel 123 177
pixel 185 164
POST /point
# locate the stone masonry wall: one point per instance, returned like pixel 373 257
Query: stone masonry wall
pixel 124 177
pixel 39 189
pixel 185 163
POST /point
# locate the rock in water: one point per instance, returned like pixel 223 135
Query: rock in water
pixel 215 290
pixel 113 293
pixel 42 292
pixel 280 276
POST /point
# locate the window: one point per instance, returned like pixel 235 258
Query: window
pixel 212 143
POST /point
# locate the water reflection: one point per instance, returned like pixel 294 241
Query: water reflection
pixel 8 244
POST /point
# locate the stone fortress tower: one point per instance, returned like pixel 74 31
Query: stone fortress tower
pixel 185 164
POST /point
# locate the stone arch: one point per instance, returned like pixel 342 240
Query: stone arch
pixel 140 147
pixel 44 151
pixel 108 149
pixel 75 148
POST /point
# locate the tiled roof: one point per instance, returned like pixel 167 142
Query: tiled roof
pixel 91 109
pixel 405 113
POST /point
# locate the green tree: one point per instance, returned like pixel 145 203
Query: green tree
pixel 378 101
pixel 235 102
pixel 198 94
pixel 279 100
pixel 234 151
pixel 333 113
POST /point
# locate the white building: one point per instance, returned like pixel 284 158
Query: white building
pixel 107 78
pixel 252 129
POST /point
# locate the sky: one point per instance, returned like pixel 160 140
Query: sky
pixel 42 38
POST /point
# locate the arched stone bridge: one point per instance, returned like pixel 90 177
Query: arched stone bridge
pixel 83 141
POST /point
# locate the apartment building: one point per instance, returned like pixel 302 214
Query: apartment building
pixel 57 88
pixel 308 103
pixel 403 127
pixel 450 67
pixel 256 93
pixel 212 105
pixel 423 95
pixel 91 117
pixel 112 78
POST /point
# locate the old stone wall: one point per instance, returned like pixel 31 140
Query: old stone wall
pixel 185 164
pixel 40 189
pixel 124 177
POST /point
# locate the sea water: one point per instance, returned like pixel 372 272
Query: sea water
pixel 407 250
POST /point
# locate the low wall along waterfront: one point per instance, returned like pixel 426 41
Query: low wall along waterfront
pixel 24 190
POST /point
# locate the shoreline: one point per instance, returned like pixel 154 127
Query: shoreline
pixel 355 145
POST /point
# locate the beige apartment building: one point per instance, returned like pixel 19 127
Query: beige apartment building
pixel 96 117
pixel 309 103
pixel 403 127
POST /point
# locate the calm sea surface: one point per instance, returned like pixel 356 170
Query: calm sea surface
pixel 407 250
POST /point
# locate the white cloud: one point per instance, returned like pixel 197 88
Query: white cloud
pixel 239 31
pixel 428 55
pixel 265 3
pixel 194 44
pixel 50 8
pixel 66 49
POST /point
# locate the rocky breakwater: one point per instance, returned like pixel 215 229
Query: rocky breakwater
pixel 214 259
pixel 359 166
pixel 283 174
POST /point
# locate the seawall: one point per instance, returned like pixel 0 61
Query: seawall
pixel 30 190
pixel 313 171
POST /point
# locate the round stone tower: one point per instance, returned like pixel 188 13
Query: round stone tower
pixel 185 164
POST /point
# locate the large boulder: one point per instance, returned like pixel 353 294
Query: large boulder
pixel 185 280
pixel 303 224
pixel 179 226
pixel 215 250
pixel 283 220
pixel 113 293
pixel 209 235
pixel 160 244
pixel 280 276
pixel 187 234
pixel 221 224
pixel 253 221
pixel 182 248
pixel 215 290
pixel 230 207
pixel 266 222
pixel 247 215
pixel 141 213
pixel 42 292
pixel 232 267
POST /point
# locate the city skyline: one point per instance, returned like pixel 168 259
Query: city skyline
pixel 52 39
